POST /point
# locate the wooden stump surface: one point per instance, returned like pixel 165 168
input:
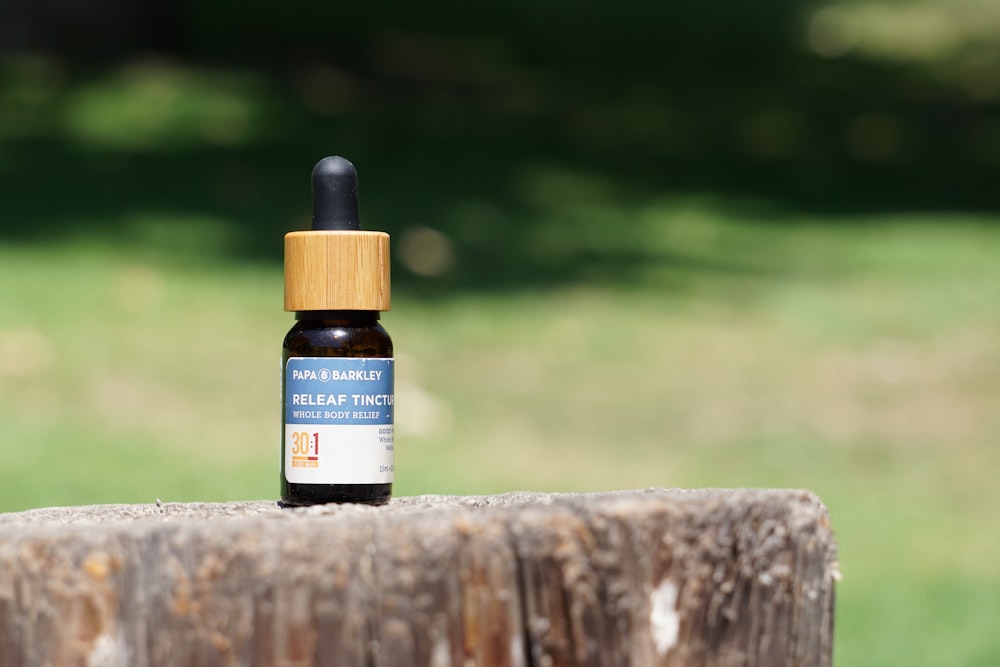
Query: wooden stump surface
pixel 655 577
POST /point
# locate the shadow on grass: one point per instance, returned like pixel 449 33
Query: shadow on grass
pixel 528 156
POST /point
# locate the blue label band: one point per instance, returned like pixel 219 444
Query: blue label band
pixel 339 391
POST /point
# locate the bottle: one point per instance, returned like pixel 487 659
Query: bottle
pixel 337 366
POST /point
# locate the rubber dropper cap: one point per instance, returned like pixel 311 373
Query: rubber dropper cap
pixel 335 195
pixel 336 265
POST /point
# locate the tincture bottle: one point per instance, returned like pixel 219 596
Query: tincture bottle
pixel 337 364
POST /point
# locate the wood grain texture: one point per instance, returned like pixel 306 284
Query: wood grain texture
pixel 657 577
pixel 337 270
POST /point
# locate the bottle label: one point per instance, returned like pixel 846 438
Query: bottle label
pixel 338 420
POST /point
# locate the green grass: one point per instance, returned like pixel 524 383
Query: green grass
pixel 859 361
pixel 642 275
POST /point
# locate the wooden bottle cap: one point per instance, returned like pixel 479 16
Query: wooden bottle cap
pixel 337 270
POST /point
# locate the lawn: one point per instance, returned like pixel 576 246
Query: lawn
pixel 856 361
pixel 778 267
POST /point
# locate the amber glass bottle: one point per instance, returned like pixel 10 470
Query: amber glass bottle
pixel 346 333
pixel 337 365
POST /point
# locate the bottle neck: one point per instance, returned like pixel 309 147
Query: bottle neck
pixel 341 317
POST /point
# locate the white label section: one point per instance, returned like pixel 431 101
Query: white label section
pixel 339 454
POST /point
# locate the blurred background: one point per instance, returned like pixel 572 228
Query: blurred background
pixel 686 244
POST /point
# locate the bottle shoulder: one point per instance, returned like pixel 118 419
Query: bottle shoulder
pixel 317 338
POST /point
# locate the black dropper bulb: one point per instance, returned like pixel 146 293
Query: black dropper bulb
pixel 335 195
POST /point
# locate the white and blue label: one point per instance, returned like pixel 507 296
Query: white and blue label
pixel 339 420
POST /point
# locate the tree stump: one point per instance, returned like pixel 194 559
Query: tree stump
pixel 657 577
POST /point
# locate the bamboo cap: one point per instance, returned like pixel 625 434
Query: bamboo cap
pixel 336 265
pixel 330 270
